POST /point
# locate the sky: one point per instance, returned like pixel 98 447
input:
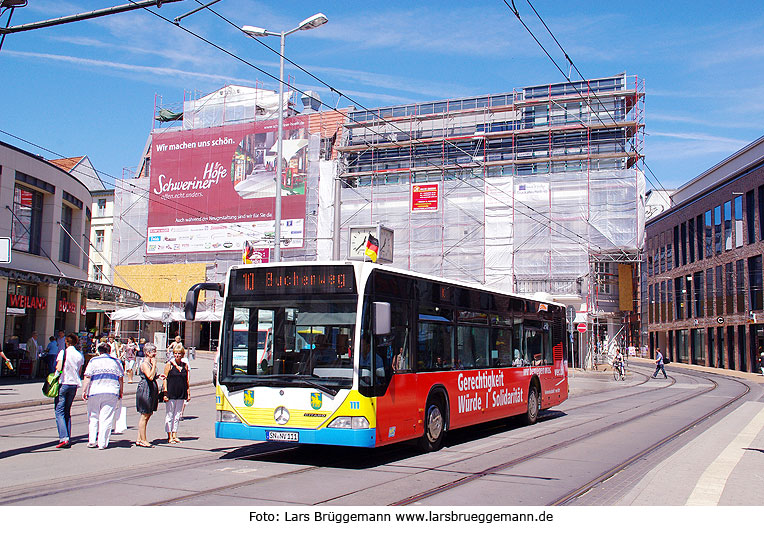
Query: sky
pixel 90 88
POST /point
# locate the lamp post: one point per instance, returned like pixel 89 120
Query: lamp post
pixel 315 21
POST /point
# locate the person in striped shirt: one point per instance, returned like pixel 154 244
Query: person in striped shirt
pixel 102 389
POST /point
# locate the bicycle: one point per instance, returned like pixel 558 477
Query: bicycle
pixel 619 373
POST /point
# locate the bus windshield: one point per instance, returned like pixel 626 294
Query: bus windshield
pixel 305 342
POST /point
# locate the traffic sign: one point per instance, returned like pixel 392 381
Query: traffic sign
pixel 581 327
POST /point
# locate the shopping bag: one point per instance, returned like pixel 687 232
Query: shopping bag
pixel 51 385
pixel 120 424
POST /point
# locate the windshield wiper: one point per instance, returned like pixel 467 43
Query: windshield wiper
pixel 321 387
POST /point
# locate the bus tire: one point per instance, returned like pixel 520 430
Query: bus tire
pixel 434 426
pixel 532 414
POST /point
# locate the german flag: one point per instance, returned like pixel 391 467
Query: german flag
pixel 372 247
pixel 246 256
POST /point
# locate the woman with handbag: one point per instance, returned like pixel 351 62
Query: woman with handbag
pixel 175 392
pixel 69 363
pixel 147 394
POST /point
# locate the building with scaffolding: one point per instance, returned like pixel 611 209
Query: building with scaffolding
pixel 537 191
pixel 540 190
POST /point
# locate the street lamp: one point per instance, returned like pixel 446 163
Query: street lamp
pixel 253 31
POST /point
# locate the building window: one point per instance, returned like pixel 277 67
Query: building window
pixel 691 239
pixel 65 247
pixel 679 298
pixel 699 224
pixel 709 235
pixel 719 290
pixel 709 292
pixel 740 290
pixel 99 239
pixel 750 217
pixel 97 272
pixel 728 225
pixel 698 283
pixel 688 294
pixel 730 279
pixel 669 256
pixel 739 221
pixel 755 289
pixel 761 212
pixel 670 299
pixel 718 229
pixel 651 308
pixel 683 237
pixel 101 211
pixel 677 246
pixel 26 230
pixel 663 301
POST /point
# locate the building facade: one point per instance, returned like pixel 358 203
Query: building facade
pixel 704 267
pixel 538 191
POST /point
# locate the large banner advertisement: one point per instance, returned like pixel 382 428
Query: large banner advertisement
pixel 212 189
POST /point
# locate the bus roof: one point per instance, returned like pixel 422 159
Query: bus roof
pixel 364 269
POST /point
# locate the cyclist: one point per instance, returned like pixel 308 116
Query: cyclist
pixel 618 363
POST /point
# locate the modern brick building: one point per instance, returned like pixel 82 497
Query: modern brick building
pixel 704 267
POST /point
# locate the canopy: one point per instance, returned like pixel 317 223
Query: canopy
pixel 166 315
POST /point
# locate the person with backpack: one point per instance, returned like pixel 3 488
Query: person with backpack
pixel 659 365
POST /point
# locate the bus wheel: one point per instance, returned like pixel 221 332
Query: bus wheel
pixel 434 427
pixel 532 415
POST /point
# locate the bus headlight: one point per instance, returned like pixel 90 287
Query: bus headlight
pixel 224 416
pixel 346 422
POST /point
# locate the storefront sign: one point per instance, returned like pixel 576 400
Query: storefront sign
pixel 66 306
pixel 424 197
pixel 26 301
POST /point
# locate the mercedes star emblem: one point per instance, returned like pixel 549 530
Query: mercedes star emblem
pixel 281 415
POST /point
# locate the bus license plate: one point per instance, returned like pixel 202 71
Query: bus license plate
pixel 281 436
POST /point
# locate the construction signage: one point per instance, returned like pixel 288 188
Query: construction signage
pixel 214 188
pixel 424 197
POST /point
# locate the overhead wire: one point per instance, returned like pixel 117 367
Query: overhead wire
pixel 582 239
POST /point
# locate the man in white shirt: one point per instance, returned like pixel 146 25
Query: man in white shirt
pixel 102 389
pixel 68 363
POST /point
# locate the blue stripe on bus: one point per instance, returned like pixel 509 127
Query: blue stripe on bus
pixel 322 436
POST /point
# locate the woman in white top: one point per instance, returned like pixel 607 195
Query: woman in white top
pixel 68 363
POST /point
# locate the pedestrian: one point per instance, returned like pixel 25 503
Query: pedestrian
pixel 102 389
pixel 147 393
pixel 659 364
pixel 129 353
pixel 178 343
pixel 61 341
pixel 33 352
pixel 68 363
pixel 175 391
pixel 6 361
pixel 51 351
pixel 115 346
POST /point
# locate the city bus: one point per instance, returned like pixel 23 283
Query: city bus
pixel 361 354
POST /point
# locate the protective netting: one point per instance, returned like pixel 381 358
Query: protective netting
pixel 525 233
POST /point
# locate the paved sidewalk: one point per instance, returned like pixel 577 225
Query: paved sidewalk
pixel 20 393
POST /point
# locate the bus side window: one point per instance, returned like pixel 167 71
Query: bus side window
pixel 534 346
pixel 399 311
pixel 501 347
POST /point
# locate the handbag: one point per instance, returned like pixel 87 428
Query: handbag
pixel 51 385
pixel 53 381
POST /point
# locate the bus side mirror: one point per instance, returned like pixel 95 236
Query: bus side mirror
pixel 192 297
pixel 381 318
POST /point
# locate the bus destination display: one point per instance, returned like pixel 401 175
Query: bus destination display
pixel 293 280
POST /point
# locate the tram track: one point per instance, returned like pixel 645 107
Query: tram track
pixel 576 440
pixel 19 494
